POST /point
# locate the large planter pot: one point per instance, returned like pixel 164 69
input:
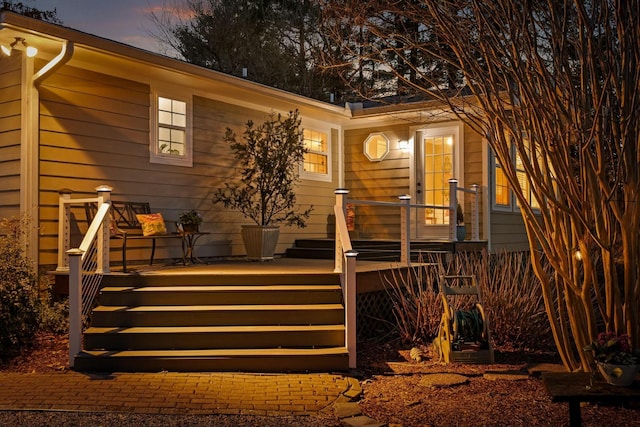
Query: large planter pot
pixel 260 241
pixel 621 375
pixel 461 232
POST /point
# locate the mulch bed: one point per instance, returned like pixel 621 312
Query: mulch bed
pixel 399 390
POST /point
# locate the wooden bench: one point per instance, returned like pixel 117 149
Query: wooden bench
pixel 125 225
pixel 577 387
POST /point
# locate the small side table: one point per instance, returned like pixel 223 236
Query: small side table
pixel 189 239
pixel 575 387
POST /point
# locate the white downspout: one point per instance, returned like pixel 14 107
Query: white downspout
pixel 63 57
pixel 30 139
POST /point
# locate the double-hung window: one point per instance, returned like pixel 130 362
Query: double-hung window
pixel 503 197
pixel 502 194
pixel 316 164
pixel 525 185
pixel 171 141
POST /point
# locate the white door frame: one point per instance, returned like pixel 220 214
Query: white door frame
pixel 423 231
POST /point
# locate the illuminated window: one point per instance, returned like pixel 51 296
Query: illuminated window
pixel 502 194
pixel 503 197
pixel 438 170
pixel 316 159
pixel 376 147
pixel 524 181
pixel 171 140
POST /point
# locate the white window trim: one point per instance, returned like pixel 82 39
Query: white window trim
pixel 369 138
pixel 444 130
pixel 154 155
pixel 494 206
pixel 513 206
pixel 313 176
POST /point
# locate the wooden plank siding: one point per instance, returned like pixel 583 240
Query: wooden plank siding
pixel 390 178
pixel 379 181
pixel 211 118
pixel 10 135
pixel 473 164
pixel 95 130
pixel 508 232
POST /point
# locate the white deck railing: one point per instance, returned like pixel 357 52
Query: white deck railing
pixel 405 206
pixel 86 264
pixel 346 265
pixel 65 202
pixel 345 255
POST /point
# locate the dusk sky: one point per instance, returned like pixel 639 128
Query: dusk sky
pixel 126 21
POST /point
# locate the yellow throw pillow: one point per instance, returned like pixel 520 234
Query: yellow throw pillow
pixel 152 224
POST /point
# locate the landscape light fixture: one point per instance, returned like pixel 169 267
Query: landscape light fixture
pixel 578 255
pixel 20 44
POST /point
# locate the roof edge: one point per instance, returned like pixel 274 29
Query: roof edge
pixel 100 44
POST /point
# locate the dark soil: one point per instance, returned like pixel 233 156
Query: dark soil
pixel 395 393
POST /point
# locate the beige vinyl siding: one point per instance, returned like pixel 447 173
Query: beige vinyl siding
pixel 473 163
pixel 10 117
pixel 508 232
pixel 390 178
pixel 211 118
pixel 380 181
pixel 94 130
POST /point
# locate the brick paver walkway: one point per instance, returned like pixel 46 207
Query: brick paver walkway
pixel 174 393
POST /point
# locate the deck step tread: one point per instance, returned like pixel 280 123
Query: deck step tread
pixel 218 352
pixel 221 288
pixel 210 329
pixel 217 308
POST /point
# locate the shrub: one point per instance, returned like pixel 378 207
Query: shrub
pixel 18 288
pixel 512 298
pixel 416 304
pixel 54 316
pixel 511 295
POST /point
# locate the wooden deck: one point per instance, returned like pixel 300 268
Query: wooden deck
pixel 243 266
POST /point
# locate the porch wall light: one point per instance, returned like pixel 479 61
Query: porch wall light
pixel 403 145
pixel 20 44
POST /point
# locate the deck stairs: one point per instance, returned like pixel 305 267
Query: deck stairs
pixel 240 322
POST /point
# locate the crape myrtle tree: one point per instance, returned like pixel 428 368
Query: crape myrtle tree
pixel 553 86
pixel 277 42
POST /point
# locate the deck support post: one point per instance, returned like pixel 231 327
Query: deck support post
pixel 341 203
pixel 104 196
pixel 475 217
pixel 453 206
pixel 350 296
pixel 405 230
pixel 75 303
pixel 64 239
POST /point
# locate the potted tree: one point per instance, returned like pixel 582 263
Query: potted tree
pixel 269 156
pixel 461 230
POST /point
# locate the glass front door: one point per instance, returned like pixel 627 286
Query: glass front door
pixel 435 166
